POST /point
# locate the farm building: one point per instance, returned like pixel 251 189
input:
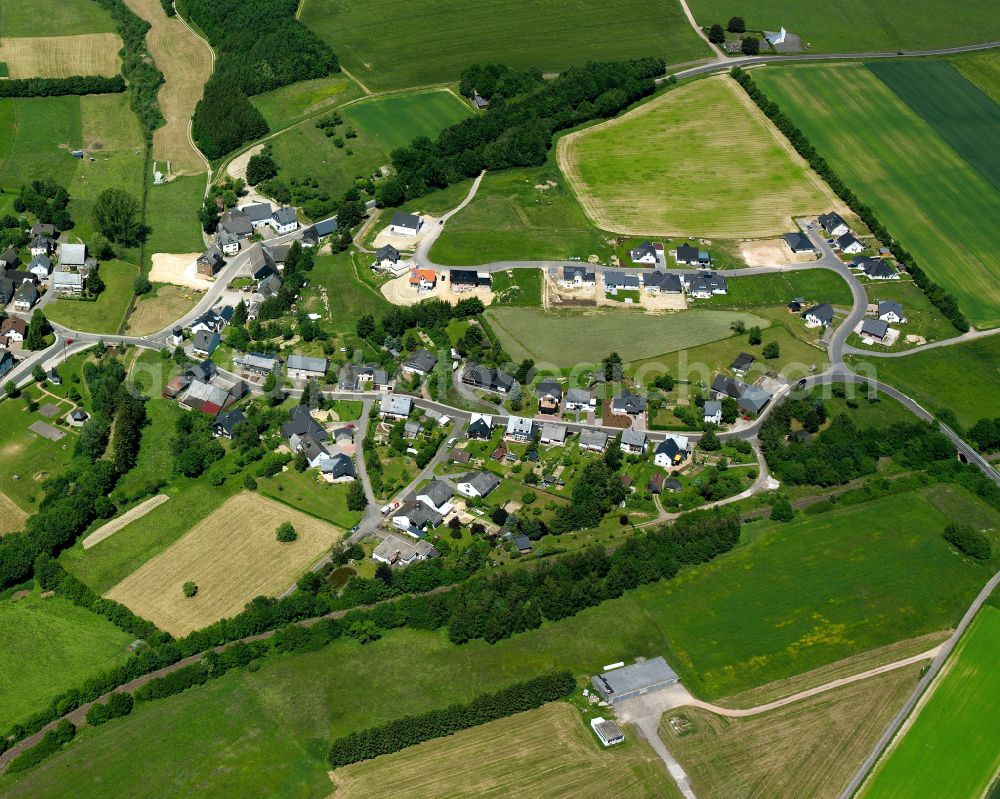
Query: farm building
pixel 609 732
pixel 627 682
pixel 741 364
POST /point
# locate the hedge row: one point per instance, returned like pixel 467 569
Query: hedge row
pixel 119 704
pixel 51 742
pixel 410 730
pixel 55 87
pixel 944 301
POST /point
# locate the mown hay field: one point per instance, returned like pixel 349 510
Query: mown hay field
pixel 951 748
pixel 699 160
pixel 568 338
pixel 929 197
pixel 547 753
pixel 233 556
pixel 809 748
pixel 443 39
pixel 62 56
pixel 53 18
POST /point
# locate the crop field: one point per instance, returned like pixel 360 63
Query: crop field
pixel 547 753
pixel 290 104
pixel 923 190
pixel 542 335
pixel 442 41
pixel 232 555
pixel 739 178
pixel 983 69
pixel 27 457
pixel 815 285
pixel 305 151
pixel 53 18
pixel 959 111
pixel 959 725
pixel 810 748
pixel 186 62
pixel 106 313
pixel 47 646
pixel 962 378
pixel 61 56
pixel 172 213
pixel 517 215
pixel 855 26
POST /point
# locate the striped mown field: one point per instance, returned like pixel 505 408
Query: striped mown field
pixel 928 195
pixel 62 56
pixel 700 160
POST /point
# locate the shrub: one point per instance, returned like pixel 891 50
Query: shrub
pixel 286 533
pixel 190 589
pixel 968 540
pixel 782 511
pixel 51 742
pixel 119 704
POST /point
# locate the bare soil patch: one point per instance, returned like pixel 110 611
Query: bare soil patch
pixel 153 314
pixel 180 270
pixel 129 516
pixel 405 243
pixel 238 166
pixel 62 56
pixel 398 292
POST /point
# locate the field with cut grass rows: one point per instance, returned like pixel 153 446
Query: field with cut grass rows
pixel 61 56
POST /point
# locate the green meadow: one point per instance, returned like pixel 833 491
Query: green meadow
pixel 53 18
pixel 172 214
pixel 927 195
pixel 386 48
pixel 291 104
pixel 983 69
pixel 753 291
pixel 107 312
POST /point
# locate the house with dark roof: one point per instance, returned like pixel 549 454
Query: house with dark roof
pixel 9 259
pixel 574 276
pixel 420 363
pixel 480 427
pixel 615 281
pixel 259 214
pixel 469 279
pixel 25 297
pixel 662 283
pixel 237 225
pixel 579 399
pixel 712 412
pixel 741 364
pixel 833 224
pixel 671 452
pixel 7 289
pixel 283 220
pixel 487 379
pixel 303 367
pixel 386 257
pixel 311 235
pixel 890 311
pixel 437 495
pixel 645 253
pixel 301 425
pixel 627 402
pixel 398 553
pixel 819 315
pixel 549 396
pixel 799 242
pixel 404 224
pixel 692 256
pixel 43 229
pixel 7 361
pixel 705 284
pixel 477 484
pixel 225 423
pixel 338 469
pixel 848 244
pixel 751 399
pixel 41 245
pixel 874 329
pixel 205 342
pixel 40 266
pixel 875 268
pixel 633 441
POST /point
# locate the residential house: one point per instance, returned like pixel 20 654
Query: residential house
pixel 633 441
pixel 259 214
pixel 628 402
pixel 42 229
pixel 6 290
pixel 875 268
pixel 338 469
pixel 176 337
pixel 224 424
pixel 671 452
pixel 549 396
pixel 423 279
pixel 205 342
pixel 593 440
pixel 833 224
pixel 437 495
pixel 848 244
pixel 574 276
pixel 277 252
pixel 7 361
pixel 415 517
pixel 553 434
pixel 819 315
pixel 252 363
pixel 579 399
pixel 521 542
pixel 420 363
pixel 751 399
pixel 890 311
pixel 741 364
pixel 227 242
pixel 395 406
pixel 210 262
pixel 645 253
pixel 462 279
pixel 26 296
pixel 9 259
pixel 398 553
pixel 40 266
pixel 283 220
pixel 236 223
pixel 615 281
pixel 301 425
pixel 41 245
pixel 311 235
pixel 213 321
pixel 480 427
pixel 315 452
pixel 404 224
pixel 212 399
pixel 361 377
pixel 12 330
pixel 302 367
pixel 874 329
pixel 799 243
pixel 662 283
pixel 72 256
pixel 477 484
pixel 519 428
pixel 706 284
pixel 67 283
pixel 795 306
pixel 692 256
pixel 487 379
pixel 206 370
pixel 386 258
pixel 712 412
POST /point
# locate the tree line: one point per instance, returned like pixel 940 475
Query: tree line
pixel 413 729
pixel 260 45
pixel 944 301
pixel 517 131
pixel 55 87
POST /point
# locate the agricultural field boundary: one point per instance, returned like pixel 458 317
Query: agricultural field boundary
pixel 129 516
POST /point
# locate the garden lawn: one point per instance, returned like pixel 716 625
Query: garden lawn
pixel 921 188
pixel 737 179
pixel 815 285
pixel 962 378
pixel 288 105
pixel 523 290
pixel 542 335
pixel 47 646
pixel 857 26
pixel 172 214
pixel 922 318
pixel 520 215
pixel 54 18
pixel 959 724
pixel 549 34
pixel 307 492
pixel 107 312
pixel 350 296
